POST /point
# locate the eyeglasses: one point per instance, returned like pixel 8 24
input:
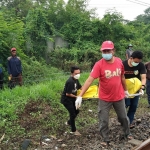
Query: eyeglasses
pixel 13 51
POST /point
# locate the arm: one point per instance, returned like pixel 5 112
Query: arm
pixel 84 89
pixel 20 65
pixel 86 85
pixel 8 67
pixel 143 80
pixel 70 95
pixel 123 82
pixel 127 56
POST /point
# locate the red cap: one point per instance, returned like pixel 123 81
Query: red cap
pixel 107 45
pixel 13 49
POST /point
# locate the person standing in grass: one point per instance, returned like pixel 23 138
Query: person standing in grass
pixel 129 51
pixel 134 68
pixel 112 90
pixel 1 78
pixel 69 96
pixel 147 66
pixel 14 68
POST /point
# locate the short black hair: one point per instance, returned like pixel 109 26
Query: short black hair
pixel 73 68
pixel 137 54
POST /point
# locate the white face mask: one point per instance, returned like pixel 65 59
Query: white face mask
pixel 77 76
pixel 134 64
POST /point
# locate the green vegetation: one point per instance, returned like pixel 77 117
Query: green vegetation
pixel 30 25
pixel 35 108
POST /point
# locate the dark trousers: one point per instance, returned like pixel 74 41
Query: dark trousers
pixel 148 90
pixel 70 106
pixel 15 81
pixel 103 114
pixel 1 80
pixel 132 103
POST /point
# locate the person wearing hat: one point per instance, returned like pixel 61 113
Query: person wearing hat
pixel 129 51
pixel 112 90
pixel 14 68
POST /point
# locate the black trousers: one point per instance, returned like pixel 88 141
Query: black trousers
pixel 70 106
pixel 1 80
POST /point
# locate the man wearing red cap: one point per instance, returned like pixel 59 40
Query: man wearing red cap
pixel 14 68
pixel 112 90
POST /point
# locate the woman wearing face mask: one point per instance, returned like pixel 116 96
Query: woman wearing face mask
pixel 69 96
pixel 134 68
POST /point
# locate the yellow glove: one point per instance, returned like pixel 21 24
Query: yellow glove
pixel 9 78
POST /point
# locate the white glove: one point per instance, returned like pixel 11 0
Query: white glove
pixel 78 102
pixel 141 92
pixel 126 94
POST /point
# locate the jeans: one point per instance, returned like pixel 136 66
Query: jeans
pixel 132 104
pixel 148 90
pixel 70 106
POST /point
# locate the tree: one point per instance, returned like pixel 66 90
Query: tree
pixel 17 8
pixel 11 35
pixel 37 31
pixel 144 17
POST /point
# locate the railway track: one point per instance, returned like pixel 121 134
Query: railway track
pixel 143 146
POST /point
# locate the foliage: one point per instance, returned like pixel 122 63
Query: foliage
pixel 28 27
pixel 13 103
pixel 84 59
pixel 37 31
pixel 35 111
pixel 145 18
pixel 11 35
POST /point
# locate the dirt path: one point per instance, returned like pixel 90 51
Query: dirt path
pixel 90 138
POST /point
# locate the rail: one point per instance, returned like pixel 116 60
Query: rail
pixel 144 146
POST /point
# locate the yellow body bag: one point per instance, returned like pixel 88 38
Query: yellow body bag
pixel 92 92
pixel 133 85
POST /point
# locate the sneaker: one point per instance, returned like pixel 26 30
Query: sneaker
pixel 77 133
pixel 66 123
pixel 132 126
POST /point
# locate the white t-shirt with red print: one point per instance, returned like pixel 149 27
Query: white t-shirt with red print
pixel 109 74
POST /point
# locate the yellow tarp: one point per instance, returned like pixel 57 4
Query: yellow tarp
pixel 133 85
pixel 92 92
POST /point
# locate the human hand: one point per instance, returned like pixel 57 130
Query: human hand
pixel 10 76
pixel 126 94
pixel 141 92
pixel 78 102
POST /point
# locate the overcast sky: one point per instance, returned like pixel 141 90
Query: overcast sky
pixel 130 9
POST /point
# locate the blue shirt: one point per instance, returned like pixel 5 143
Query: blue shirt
pixel 14 66
pixel 1 70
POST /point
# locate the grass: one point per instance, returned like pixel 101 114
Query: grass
pixel 33 111
pixel 13 103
